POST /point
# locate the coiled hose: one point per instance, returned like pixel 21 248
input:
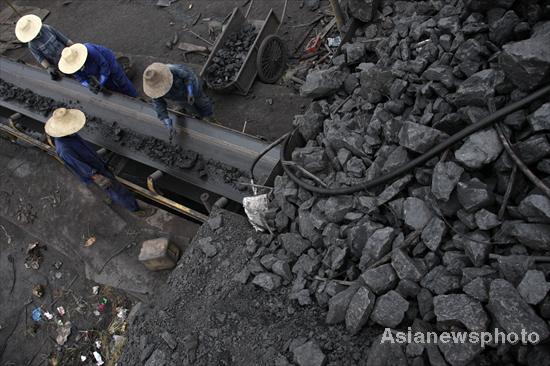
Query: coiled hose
pixel 485 122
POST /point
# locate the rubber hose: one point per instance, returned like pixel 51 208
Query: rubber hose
pixel 485 122
pixel 267 149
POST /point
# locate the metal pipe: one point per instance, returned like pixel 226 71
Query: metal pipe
pixel 152 180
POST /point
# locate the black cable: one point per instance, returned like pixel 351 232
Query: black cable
pixel 487 121
pixel 266 150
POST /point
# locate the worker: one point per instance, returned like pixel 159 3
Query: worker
pixel 44 41
pixel 83 161
pixel 96 68
pixel 177 83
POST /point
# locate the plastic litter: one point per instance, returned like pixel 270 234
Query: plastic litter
pixel 48 315
pixel 63 332
pixel 61 310
pixel 37 314
pixel 335 41
pixel 255 207
pixel 98 358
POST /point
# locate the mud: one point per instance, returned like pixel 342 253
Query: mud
pixel 228 60
pixel 173 156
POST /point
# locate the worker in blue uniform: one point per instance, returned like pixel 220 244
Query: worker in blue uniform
pixel 83 161
pixel 44 41
pixel 96 68
pixel 180 84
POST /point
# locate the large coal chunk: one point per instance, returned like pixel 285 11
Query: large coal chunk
pixel 478 88
pixel 527 63
pixel 445 178
pixel 533 235
pixel 363 10
pixel 338 305
pixel 474 194
pixel 533 288
pixel 479 149
pixel 512 312
pixel 540 119
pixel 384 352
pixel 419 138
pixel 463 309
pixel 389 310
pixel 320 83
pixel 359 310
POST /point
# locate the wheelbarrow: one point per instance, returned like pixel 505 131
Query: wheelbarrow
pixel 266 58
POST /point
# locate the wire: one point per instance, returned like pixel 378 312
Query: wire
pixel 487 121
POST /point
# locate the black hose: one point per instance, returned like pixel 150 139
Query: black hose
pixel 267 149
pixel 487 121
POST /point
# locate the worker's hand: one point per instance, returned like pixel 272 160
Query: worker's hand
pixel 54 74
pixel 85 84
pixel 168 123
pixel 102 181
pixel 190 99
pixel 94 88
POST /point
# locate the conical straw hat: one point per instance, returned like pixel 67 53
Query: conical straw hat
pixel 157 80
pixel 65 122
pixel 73 58
pixel 28 27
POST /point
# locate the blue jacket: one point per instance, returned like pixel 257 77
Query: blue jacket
pixel 183 76
pixel 80 158
pixel 48 45
pixel 100 63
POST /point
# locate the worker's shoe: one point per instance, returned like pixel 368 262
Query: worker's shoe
pixel 145 212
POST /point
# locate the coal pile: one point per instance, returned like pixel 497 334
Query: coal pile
pixel 28 98
pixel 228 60
pixel 460 243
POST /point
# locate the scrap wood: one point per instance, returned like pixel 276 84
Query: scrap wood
pixel 8 236
pixel 314 21
pixel 190 47
pixel 200 37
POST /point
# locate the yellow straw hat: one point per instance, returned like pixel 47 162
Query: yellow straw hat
pixel 28 27
pixel 73 58
pixel 65 122
pixel 157 80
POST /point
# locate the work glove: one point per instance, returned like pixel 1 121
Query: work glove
pixel 102 80
pixel 190 94
pixel 168 123
pixel 54 74
pixel 101 181
pixel 94 88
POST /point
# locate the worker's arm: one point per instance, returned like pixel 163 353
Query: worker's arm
pixel 161 107
pixel 82 79
pixel 60 36
pixel 104 67
pixel 189 79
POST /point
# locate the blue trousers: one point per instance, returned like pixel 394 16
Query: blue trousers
pixel 119 82
pixel 121 195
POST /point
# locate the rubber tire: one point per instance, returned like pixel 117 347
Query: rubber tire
pixel 282 67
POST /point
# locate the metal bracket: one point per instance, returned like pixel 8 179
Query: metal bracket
pixel 152 179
